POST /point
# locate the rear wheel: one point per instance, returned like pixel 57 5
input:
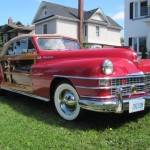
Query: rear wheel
pixel 66 101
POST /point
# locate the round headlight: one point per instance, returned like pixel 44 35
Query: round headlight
pixel 108 67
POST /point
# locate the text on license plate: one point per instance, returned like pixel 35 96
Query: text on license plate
pixel 137 105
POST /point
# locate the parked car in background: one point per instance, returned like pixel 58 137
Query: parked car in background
pixel 54 67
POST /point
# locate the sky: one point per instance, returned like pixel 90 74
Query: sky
pixel 25 10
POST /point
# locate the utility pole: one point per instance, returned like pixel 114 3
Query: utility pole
pixel 81 17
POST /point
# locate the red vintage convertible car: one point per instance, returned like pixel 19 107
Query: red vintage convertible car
pixel 53 67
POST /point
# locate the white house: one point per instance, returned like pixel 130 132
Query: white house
pixel 99 30
pixel 137 24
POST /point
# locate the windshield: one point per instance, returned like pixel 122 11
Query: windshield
pixel 51 44
pixel 57 44
pixel 70 44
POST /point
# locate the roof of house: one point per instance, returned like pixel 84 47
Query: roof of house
pixel 60 10
pixel 16 27
pixel 113 22
pixel 90 13
pixel 68 12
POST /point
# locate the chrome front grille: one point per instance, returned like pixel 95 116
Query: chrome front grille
pixel 141 82
pixel 127 81
pixel 147 79
pixel 127 90
pixel 135 80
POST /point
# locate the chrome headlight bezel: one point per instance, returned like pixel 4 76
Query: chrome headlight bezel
pixel 108 67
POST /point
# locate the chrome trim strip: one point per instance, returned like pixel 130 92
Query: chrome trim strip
pixel 78 77
pixel 39 74
pixel 129 85
pixel 135 74
pixel 92 88
pixel 109 97
pixel 129 94
pixel 97 97
pixel 26 94
pixel 105 78
pixel 146 73
pixel 109 87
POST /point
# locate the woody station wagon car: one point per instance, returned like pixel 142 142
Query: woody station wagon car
pixel 54 67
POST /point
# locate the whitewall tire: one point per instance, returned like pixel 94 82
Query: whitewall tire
pixel 66 101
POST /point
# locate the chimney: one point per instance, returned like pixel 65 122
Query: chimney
pixel 10 21
pixel 80 14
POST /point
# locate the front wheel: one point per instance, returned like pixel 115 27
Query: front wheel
pixel 66 101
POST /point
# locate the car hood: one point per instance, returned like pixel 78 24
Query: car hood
pixel 93 53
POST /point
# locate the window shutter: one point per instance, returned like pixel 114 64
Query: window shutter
pixel 131 10
pixel 130 41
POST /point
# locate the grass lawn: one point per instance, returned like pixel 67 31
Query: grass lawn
pixel 29 124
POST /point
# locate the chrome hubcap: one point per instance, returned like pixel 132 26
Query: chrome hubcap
pixel 68 103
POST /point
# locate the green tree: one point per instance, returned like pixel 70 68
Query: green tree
pixel 122 40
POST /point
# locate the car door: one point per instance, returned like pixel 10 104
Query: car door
pixel 17 63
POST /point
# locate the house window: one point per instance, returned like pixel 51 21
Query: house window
pixel 136 10
pixel 143 8
pixel 135 44
pixel 131 10
pixel 138 43
pixel 45 13
pixel 45 29
pixel 142 43
pixel 5 38
pixel 85 30
pixel 97 31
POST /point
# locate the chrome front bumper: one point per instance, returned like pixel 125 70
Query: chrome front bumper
pixel 117 105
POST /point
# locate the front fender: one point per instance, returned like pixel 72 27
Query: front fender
pixel 77 71
pixel 145 65
pixel 86 67
pixel 124 67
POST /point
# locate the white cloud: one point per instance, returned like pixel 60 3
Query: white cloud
pixel 118 16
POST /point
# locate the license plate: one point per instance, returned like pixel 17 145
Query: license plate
pixel 137 105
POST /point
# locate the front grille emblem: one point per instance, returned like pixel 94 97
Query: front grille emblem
pixel 124 81
pixel 133 89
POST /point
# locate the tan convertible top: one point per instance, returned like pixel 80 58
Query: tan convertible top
pixel 6 45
